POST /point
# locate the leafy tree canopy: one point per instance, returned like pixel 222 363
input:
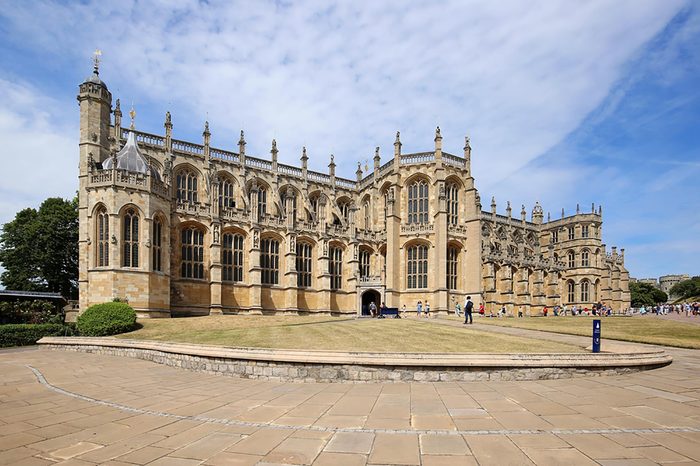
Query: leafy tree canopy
pixel 645 294
pixel 39 248
pixel 686 289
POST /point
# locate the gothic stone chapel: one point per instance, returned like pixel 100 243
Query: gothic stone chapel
pixel 179 228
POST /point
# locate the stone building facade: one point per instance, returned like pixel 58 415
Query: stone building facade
pixel 182 228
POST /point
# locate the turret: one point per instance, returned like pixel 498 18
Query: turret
pixel 538 214
pixel 95 102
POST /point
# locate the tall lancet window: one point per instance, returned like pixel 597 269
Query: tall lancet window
pixel 130 239
pixel 102 237
pixel 452 193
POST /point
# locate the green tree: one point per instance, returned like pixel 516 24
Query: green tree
pixel 686 289
pixel 645 294
pixel 39 248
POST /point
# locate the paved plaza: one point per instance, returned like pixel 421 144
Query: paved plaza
pixel 59 407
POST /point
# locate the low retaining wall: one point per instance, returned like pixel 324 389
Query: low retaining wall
pixel 336 366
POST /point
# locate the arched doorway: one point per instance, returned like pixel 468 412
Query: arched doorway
pixel 370 296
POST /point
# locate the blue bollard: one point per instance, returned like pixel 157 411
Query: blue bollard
pixel 596 336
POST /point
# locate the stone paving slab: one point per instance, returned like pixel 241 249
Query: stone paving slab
pixel 90 409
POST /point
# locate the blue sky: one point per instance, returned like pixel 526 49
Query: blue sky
pixel 564 102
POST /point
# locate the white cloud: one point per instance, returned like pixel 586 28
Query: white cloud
pixel 38 150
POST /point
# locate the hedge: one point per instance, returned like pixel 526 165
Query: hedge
pixel 29 334
pixel 30 312
pixel 106 319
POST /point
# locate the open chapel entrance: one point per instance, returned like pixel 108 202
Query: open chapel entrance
pixel 370 296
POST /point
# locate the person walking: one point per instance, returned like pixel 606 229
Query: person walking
pixel 419 308
pixel 468 307
pixel 373 309
pixel 427 309
pixel 458 310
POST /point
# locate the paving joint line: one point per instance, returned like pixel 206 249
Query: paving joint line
pixel 232 422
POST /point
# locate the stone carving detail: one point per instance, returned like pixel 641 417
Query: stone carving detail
pixel 216 234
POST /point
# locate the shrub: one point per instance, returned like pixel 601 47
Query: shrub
pixel 28 334
pixel 106 319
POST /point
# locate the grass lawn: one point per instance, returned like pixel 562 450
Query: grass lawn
pixel 647 329
pixel 328 333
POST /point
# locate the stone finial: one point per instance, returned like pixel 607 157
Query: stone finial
pixel 168 120
pixel 578 209
pixel 437 133
pixel 332 161
pixel 132 115
pixel 241 144
pixel 562 212
pixel 398 138
pixel 274 150
pixel 206 129
pixel 493 204
pixel 549 217
pixel 592 207
pixel 358 172
pixel 509 210
pixel 118 109
pixel 523 213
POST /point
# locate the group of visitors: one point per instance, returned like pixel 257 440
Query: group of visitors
pixel 687 309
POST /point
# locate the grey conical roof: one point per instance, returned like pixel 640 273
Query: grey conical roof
pixel 130 158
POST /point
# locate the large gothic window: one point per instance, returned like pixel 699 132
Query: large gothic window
pixel 585 291
pixel 262 201
pixel 418 202
pixel 585 262
pixel 270 261
pixel 227 199
pixel 186 187
pixel 571 291
pixel 571 256
pixel 303 265
pixel 571 233
pixel 452 193
pixel 232 257
pixel 157 245
pixel 555 236
pixel 336 268
pixel 130 239
pixel 417 267
pixel 584 231
pixel 192 253
pixel 364 263
pixel 452 256
pixel 102 237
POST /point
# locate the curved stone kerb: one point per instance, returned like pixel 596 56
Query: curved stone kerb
pixel 434 361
